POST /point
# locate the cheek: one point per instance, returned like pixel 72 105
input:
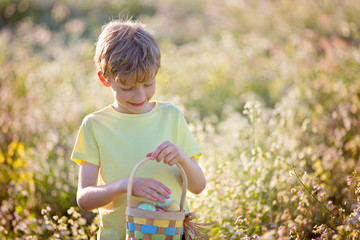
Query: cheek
pixel 120 95
pixel 150 92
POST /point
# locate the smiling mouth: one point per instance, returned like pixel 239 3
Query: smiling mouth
pixel 137 104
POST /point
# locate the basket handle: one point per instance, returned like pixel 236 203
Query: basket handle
pixel 131 181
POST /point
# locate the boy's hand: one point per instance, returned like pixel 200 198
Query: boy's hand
pixel 169 152
pixel 150 189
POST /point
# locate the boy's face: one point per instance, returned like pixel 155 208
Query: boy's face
pixel 133 98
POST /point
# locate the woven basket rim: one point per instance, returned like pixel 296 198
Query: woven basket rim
pixel 136 212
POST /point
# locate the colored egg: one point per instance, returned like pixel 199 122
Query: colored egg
pixel 137 205
pixel 173 207
pixel 147 206
pixel 160 210
pixel 166 203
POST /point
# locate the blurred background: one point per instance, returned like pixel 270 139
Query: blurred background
pixel 270 89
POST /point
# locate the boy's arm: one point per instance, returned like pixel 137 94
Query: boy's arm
pixel 90 196
pixel 195 175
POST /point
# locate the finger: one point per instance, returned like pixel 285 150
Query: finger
pixel 149 154
pixel 165 152
pixel 157 187
pixel 173 161
pixel 164 190
pixel 149 197
pixel 169 157
pixel 156 153
pixel 154 195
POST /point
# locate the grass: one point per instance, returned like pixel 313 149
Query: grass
pixel 268 88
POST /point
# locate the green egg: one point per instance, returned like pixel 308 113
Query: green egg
pixel 147 206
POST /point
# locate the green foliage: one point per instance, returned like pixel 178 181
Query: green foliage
pixel 271 90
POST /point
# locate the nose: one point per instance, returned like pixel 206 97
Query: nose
pixel 139 95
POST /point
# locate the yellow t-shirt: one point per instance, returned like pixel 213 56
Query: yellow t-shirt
pixel 116 142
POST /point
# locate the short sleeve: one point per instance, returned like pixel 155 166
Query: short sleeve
pixel 86 148
pixel 188 143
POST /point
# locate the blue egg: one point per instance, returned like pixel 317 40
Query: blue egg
pixel 166 203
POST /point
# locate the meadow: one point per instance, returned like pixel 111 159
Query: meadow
pixel 270 89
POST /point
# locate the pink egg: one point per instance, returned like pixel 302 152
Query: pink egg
pixel 137 204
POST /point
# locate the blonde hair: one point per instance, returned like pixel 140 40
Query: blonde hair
pixel 127 52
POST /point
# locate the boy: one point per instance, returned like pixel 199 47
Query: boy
pixel 113 140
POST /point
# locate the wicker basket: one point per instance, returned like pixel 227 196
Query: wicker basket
pixel 144 224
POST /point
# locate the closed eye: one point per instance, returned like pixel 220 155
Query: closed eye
pixel 126 89
pixel 150 83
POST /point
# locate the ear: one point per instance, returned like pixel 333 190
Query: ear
pixel 103 80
